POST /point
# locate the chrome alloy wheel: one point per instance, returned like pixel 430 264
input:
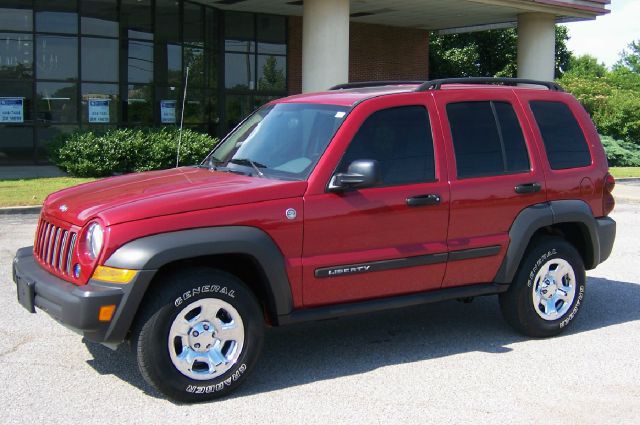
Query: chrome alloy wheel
pixel 554 289
pixel 206 338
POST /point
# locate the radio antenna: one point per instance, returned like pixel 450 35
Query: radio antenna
pixel 184 98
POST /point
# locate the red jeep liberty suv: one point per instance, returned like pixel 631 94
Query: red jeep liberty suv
pixel 365 197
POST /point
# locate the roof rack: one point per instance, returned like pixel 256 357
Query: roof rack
pixel 363 84
pixel 437 84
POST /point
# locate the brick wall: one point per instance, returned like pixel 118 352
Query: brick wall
pixel 377 52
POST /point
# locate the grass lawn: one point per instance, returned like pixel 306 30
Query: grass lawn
pixel 33 191
pixel 618 172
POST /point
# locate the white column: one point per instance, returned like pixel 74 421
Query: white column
pixel 536 46
pixel 325 44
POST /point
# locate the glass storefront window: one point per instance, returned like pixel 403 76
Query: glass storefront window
pixel 139 104
pixel 99 59
pixel 193 32
pixel 272 75
pixel 195 60
pixel 16 16
pixel 57 16
pixel 95 113
pixel 56 57
pixel 16 55
pixel 56 102
pixel 16 144
pixel 195 107
pixel 239 71
pixel 21 90
pixel 140 66
pixel 99 17
pixel 48 134
pixel 135 16
pixel 167 24
pixel 272 37
pixel 239 32
pixel 236 108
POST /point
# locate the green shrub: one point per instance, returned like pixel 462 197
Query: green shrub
pixel 92 154
pixel 621 153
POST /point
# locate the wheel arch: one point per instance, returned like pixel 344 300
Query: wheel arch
pixel 573 220
pixel 227 248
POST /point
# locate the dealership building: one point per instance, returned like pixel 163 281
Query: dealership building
pixel 99 64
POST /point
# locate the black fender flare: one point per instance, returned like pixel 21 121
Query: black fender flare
pixel 537 216
pixel 150 253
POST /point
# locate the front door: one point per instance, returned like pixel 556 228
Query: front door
pixel 384 240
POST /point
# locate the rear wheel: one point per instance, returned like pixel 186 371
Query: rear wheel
pixel 548 289
pixel 201 336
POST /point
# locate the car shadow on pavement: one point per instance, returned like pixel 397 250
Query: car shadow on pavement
pixel 310 352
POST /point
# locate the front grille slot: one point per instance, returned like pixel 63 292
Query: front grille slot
pixel 54 246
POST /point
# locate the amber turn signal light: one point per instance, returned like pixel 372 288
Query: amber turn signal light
pixel 113 275
pixel 106 312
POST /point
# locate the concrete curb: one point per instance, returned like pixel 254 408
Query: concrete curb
pixel 35 209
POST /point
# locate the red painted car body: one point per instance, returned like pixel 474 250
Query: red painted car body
pixel 351 227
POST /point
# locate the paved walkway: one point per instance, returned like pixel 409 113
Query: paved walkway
pixel 29 172
pixel 627 190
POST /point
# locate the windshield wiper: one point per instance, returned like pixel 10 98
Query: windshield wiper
pixel 246 161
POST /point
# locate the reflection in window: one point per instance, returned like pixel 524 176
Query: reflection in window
pixel 271 73
pixel 20 89
pixel 135 15
pixel 174 64
pixel 59 16
pixel 99 59
pixel 167 24
pixel 194 59
pixel 101 92
pixel 57 57
pixel 271 34
pixel 46 135
pixel 16 144
pixel 239 70
pixel 139 104
pixel 236 108
pixel 56 102
pixel 99 17
pixel 16 19
pixel 140 62
pixel 239 32
pixel 16 55
pixel 194 107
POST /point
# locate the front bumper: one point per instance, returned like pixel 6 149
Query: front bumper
pixel 77 307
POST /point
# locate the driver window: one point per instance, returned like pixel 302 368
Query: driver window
pixel 400 140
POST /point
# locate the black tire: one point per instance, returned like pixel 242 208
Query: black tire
pixel 517 304
pixel 176 294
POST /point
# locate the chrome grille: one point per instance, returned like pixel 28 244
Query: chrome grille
pixel 54 246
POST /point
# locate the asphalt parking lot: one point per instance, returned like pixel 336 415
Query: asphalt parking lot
pixel 448 363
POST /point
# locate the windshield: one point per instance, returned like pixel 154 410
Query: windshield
pixel 282 141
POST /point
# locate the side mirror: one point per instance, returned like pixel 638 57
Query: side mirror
pixel 360 174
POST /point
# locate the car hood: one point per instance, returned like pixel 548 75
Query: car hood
pixel 155 193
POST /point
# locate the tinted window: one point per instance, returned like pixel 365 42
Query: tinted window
pixel 99 59
pixel 487 139
pixel 57 57
pixel 400 140
pixel 563 139
pixel 16 55
pixel 16 15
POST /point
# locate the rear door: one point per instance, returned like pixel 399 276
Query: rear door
pixel 494 171
pixel 375 242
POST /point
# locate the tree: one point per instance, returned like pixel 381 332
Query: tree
pixel 630 59
pixel 272 76
pixel 492 53
pixel 586 66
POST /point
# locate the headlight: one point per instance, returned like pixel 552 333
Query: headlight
pixel 95 239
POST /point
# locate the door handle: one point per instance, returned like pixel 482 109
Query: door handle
pixel 528 188
pixel 421 200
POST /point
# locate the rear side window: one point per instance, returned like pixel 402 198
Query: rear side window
pixel 400 140
pixel 487 139
pixel 563 139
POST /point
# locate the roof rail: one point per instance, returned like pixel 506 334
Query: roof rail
pixel 363 84
pixel 437 84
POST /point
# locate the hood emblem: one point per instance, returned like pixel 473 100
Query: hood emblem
pixel 63 208
pixel 291 214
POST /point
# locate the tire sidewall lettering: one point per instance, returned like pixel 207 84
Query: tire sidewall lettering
pixel 205 289
pixel 542 260
pixel 218 386
pixel 575 309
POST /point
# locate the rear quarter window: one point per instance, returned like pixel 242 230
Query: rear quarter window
pixel 563 139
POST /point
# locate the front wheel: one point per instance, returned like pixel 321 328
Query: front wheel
pixel 547 291
pixel 203 335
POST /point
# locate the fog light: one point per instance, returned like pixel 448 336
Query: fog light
pixel 106 312
pixel 77 270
